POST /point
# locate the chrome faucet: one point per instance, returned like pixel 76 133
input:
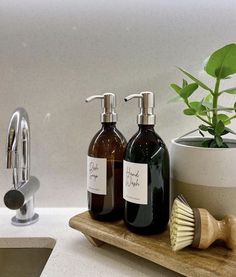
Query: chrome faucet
pixel 21 196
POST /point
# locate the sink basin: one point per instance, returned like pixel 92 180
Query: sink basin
pixel 24 257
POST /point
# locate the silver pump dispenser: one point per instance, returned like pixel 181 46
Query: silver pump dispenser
pixel 146 105
pixel 108 101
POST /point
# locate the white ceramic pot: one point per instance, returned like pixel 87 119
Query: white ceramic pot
pixel 205 176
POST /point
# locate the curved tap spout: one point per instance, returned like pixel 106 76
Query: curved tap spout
pixel 18 146
pixel 21 197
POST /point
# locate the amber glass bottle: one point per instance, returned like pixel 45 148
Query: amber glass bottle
pixel 108 143
pixel 105 166
pixel 146 174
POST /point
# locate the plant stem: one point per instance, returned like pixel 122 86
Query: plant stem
pixel 215 102
pixel 222 109
pixel 204 120
pixel 230 118
pixel 198 116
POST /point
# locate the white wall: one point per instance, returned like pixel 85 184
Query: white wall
pixel 53 54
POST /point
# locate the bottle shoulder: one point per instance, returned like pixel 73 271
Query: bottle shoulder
pixel 107 143
pixel 145 145
pixel 119 136
pixel 146 137
pixel 107 136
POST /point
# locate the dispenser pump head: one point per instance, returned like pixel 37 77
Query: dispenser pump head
pixel 146 105
pixel 108 101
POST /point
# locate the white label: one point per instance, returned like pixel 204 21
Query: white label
pixel 135 182
pixel 97 175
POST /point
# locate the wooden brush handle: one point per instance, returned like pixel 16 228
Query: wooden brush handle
pixel 212 230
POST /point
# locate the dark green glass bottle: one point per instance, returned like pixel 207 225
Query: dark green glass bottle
pixel 146 163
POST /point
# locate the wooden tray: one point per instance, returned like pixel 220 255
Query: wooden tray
pixel 215 261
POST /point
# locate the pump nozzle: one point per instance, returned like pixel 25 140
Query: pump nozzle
pixel 91 98
pixel 131 96
pixel 146 105
pixel 108 106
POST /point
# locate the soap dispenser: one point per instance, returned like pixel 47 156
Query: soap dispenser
pixel 105 165
pixel 146 173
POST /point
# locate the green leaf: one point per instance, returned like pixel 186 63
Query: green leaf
pixel 198 107
pixel 207 142
pixel 213 144
pixel 230 91
pixel 235 106
pixel 202 111
pixel 185 83
pixel 176 88
pixel 220 108
pixel 208 98
pixel 188 90
pixel 224 118
pixel 222 62
pixel 224 145
pixel 219 141
pixel 189 112
pixel 211 131
pixel 203 127
pixel 207 105
pixel 219 129
pixel 208 129
pixel 175 99
pixel 195 105
pixel 201 84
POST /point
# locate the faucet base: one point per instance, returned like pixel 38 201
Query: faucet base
pixel 24 222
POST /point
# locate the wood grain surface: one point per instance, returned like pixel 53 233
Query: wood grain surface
pixel 214 261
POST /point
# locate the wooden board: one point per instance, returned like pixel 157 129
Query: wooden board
pixel 215 261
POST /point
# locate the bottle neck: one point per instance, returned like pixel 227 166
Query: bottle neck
pixel 108 125
pixel 144 127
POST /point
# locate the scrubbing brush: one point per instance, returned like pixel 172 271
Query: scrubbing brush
pixel 198 228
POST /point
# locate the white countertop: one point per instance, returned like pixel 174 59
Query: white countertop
pixel 73 255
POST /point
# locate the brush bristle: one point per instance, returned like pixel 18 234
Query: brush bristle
pixel 182 224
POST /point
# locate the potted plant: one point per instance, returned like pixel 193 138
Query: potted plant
pixel 203 168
